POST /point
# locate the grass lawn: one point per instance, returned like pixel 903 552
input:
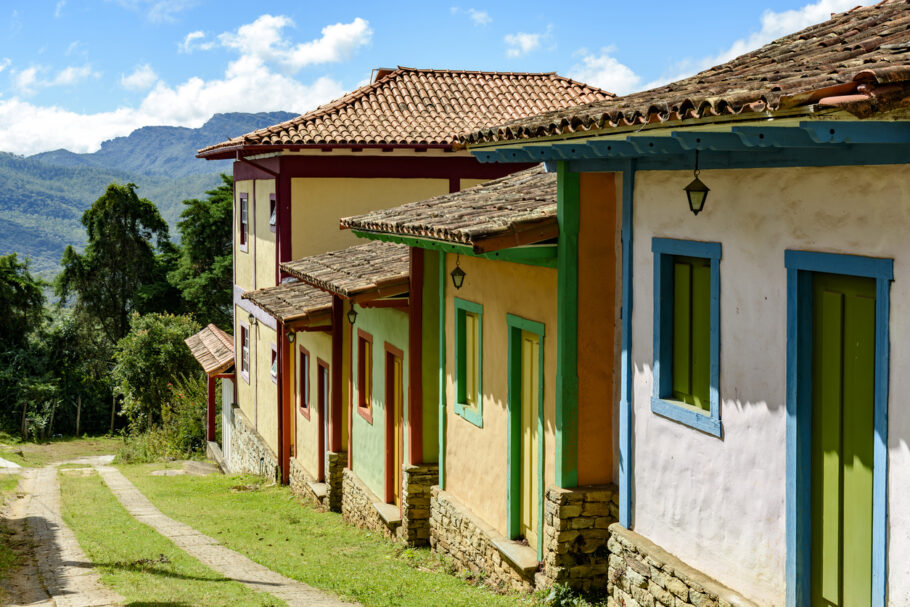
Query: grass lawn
pixel 269 525
pixel 133 559
pixel 59 449
pixel 8 558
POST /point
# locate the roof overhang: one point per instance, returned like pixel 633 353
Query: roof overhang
pixel 242 150
pixel 291 314
pixel 213 349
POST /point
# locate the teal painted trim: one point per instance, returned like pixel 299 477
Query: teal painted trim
pixel 567 213
pixel 517 324
pixel 664 250
pixel 800 266
pixel 625 364
pixel 544 255
pixel 442 370
pixel 472 414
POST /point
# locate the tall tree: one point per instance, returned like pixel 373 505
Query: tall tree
pixel 21 301
pixel 204 272
pixel 120 270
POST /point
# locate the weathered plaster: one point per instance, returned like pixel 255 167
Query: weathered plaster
pixel 243 260
pixel 245 388
pixel 369 440
pixel 718 504
pixel 266 389
pixel 317 203
pixel 319 345
pixel 264 236
pixel 476 458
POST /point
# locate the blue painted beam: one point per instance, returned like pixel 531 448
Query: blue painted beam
pixel 718 142
pixel 515 155
pixel 613 149
pixel 486 156
pixel 544 152
pixel 861 131
pixel 775 137
pixel 661 146
pixel 573 150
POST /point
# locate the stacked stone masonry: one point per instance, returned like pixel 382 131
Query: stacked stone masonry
pixel 641 574
pixel 302 483
pixel 415 502
pixel 576 523
pixel 464 538
pixel 357 507
pixel 249 452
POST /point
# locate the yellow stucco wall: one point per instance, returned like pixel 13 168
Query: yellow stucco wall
pixel 244 388
pixel 266 389
pixel 475 458
pixel 265 237
pixel 243 260
pixel 318 203
pixel 319 345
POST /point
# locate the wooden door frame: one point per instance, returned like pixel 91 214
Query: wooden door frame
pixel 392 351
pixel 322 398
pixel 515 325
pixel 801 265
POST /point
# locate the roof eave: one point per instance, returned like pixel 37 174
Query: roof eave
pixel 245 149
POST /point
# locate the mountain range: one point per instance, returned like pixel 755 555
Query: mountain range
pixel 47 193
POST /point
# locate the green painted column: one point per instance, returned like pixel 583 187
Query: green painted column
pixel 442 369
pixel 567 214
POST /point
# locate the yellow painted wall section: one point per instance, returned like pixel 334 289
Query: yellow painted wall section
pixel 243 260
pixel 317 204
pixel 319 345
pixel 476 458
pixel 265 237
pixel 266 389
pixel 244 388
pixel 597 318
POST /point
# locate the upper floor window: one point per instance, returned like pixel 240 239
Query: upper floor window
pixel 687 332
pixel 243 237
pixel 273 211
pixel 245 352
pixel 273 370
pixel 303 382
pixel 469 361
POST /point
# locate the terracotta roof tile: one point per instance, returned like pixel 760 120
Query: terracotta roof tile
pixel 291 301
pixel 522 202
pixel 213 348
pixel 411 106
pixel 373 269
pixel 859 51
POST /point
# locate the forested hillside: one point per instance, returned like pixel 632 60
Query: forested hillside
pixel 46 194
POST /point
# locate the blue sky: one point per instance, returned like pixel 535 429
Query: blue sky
pixel 76 72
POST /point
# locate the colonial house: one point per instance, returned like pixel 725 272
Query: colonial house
pixel 388 142
pixel 761 438
pixel 498 343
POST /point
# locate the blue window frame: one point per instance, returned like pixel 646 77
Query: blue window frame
pixel 469 361
pixel 679 400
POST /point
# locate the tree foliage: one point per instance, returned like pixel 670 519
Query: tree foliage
pixel 151 356
pixel 21 301
pixel 120 270
pixel 204 272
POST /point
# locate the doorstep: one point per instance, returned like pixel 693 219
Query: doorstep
pixel 390 514
pixel 320 490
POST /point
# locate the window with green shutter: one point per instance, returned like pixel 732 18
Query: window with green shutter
pixel 687 332
pixel 469 361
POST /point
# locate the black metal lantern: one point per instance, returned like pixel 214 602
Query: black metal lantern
pixel 457 274
pixel 696 192
pixel 291 337
pixel 352 314
pixel 251 319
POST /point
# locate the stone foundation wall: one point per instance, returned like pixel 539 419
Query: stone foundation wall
pixel 415 502
pixel 576 523
pixel 304 485
pixel 249 452
pixel 642 573
pixel 334 469
pixel 357 507
pixel 467 540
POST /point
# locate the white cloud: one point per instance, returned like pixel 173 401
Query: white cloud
pixel 478 16
pixel 257 80
pixel 521 43
pixel 4 63
pixel 264 40
pixel 141 78
pixel 194 41
pixel 58 10
pixel 606 72
pixel 159 11
pixel 71 75
pixel 27 81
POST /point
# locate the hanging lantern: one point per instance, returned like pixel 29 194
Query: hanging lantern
pixel 352 314
pixel 457 274
pixel 696 192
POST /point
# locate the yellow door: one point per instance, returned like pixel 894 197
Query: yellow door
pixel 530 394
pixel 397 393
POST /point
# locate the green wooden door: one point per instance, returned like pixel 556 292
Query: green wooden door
pixel 530 394
pixel 843 371
pixel 692 331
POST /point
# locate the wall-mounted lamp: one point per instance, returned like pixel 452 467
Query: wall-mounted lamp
pixel 251 319
pixel 352 314
pixel 457 274
pixel 291 337
pixel 696 192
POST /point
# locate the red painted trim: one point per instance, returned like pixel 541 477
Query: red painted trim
pixel 365 401
pixel 454 184
pixel 350 399
pixel 284 442
pixel 337 402
pixel 322 381
pixel 225 375
pixel 303 391
pixel 236 151
pixel 263 169
pixel 390 434
pixel 415 356
pixel 210 413
pixel 284 243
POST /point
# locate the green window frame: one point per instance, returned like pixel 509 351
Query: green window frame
pixel 468 320
pixel 687 332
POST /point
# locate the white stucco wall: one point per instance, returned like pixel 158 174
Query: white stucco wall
pixel 718 504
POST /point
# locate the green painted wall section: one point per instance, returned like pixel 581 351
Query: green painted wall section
pixel 567 213
pixel 430 362
pixel 368 448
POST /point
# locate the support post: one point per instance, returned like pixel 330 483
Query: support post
pixel 415 357
pixel 336 417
